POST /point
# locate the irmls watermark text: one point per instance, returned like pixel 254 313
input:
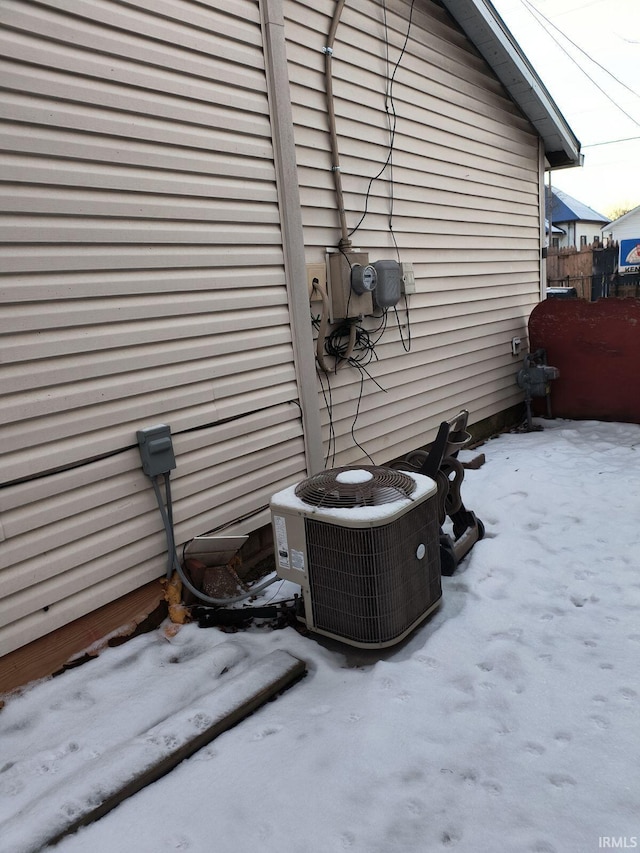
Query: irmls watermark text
pixel 619 842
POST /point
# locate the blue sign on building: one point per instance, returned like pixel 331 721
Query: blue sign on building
pixel 629 261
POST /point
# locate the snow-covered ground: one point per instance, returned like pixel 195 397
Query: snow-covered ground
pixel 510 721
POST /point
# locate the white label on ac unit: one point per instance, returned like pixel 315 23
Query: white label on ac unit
pixel 282 545
pixel 297 560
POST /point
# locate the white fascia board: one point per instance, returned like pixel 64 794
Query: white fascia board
pixel 490 35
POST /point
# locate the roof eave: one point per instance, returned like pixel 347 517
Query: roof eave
pixel 485 28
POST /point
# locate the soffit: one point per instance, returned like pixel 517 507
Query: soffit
pixel 487 31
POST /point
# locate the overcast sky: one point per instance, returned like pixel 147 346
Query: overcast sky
pixel 608 31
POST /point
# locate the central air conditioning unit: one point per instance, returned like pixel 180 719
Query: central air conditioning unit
pixel 363 544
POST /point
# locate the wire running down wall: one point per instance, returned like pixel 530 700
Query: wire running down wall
pixel 460 197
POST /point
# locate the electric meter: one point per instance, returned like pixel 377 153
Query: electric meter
pixel 388 283
pixel 363 278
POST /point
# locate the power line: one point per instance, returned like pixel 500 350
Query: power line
pixel 583 52
pixel 538 15
pixel 611 142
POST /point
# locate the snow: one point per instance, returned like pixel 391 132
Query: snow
pixel 102 777
pixel 508 721
pixel 355 476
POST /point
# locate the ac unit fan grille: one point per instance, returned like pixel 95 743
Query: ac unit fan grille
pixel 332 489
pixel 369 585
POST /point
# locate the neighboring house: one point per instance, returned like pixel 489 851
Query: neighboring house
pixel 555 235
pixel 169 176
pixel 625 231
pixel 580 225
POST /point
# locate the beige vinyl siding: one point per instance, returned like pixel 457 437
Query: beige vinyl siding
pixel 142 281
pixel 465 213
pixel 78 539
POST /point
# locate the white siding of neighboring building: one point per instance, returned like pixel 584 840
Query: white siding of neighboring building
pixel 578 233
pixel 587 233
pixel 627 227
pixel 466 194
pixel 143 281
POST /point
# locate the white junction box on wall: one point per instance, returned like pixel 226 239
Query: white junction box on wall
pixel 408 278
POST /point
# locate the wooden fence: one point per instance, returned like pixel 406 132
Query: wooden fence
pixel 592 270
pixel 571 268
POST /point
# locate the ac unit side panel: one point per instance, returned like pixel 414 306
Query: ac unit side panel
pixel 289 545
pixel 369 586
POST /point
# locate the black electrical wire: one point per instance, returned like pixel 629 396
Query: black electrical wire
pixel 583 52
pixel 406 345
pixel 362 354
pixel 332 433
pixel 364 370
pixel 391 116
pixel 338 343
pixel 611 142
pixel 328 402
pixel 368 194
pixel 537 14
pixel 353 425
pixel 362 349
pixel 405 43
pixel 381 328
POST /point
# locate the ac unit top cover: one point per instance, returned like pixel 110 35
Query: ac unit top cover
pixel 356 516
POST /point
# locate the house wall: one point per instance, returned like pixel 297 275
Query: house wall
pixel 589 232
pixel 155 235
pixel 143 281
pixel 463 187
pixel 568 239
pixel 576 232
pixel 626 229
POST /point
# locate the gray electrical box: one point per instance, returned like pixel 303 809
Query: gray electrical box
pixel 344 302
pixel 389 283
pixel 156 450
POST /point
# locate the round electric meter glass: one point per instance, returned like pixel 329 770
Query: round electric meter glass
pixel 369 277
pixel 363 278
